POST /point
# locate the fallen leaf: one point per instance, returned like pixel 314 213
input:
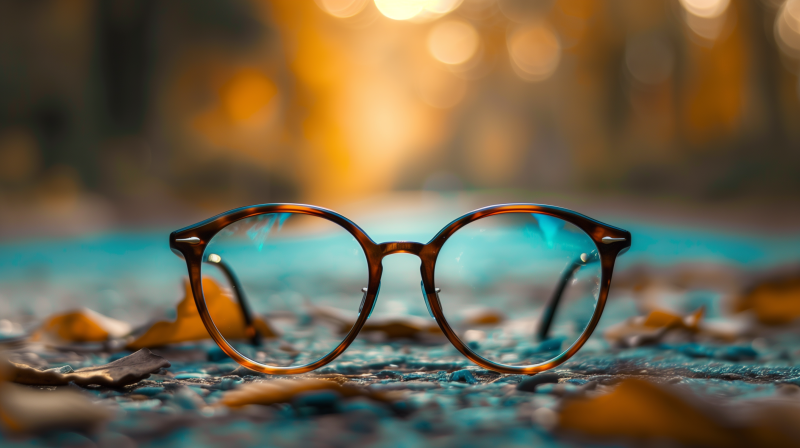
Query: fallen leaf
pixel 482 316
pixel 188 326
pixel 650 329
pixel 394 327
pixel 122 372
pixel 283 391
pixel 82 325
pixel 27 410
pixel 648 414
pixel 774 300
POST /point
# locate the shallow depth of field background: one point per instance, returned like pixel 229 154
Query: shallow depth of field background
pixel 123 120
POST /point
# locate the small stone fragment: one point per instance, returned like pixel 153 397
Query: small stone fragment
pixel 530 384
pixel 464 376
pixel 150 391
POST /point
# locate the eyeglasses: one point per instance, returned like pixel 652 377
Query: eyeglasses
pixel 495 281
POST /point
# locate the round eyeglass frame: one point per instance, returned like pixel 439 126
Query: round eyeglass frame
pixel 190 243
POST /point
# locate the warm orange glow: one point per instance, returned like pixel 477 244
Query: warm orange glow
pixel 706 27
pixel 453 42
pixel 246 94
pixel 715 97
pixel 401 9
pixel 705 8
pixel 442 6
pixel 787 28
pixel 440 88
pixel 535 52
pixel 342 8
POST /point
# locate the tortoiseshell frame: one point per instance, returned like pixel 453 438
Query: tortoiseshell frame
pixel 196 238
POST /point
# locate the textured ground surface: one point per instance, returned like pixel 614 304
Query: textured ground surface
pixel 436 397
pixel 440 402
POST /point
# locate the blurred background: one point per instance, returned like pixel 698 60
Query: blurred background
pixel 145 116
pixel 119 112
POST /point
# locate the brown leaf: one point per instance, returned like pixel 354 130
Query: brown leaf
pixel 642 330
pixel 26 410
pixel 128 370
pixel 482 316
pixel 774 301
pixel 189 327
pixel 283 391
pixel 650 413
pixel 82 325
pixel 395 327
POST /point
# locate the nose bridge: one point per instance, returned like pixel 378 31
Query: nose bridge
pixel 401 247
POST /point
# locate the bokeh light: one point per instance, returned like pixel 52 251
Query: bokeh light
pixel 453 42
pixel 708 19
pixel 342 8
pixel 442 6
pixel 787 28
pixel 246 94
pixel 401 9
pixel 535 52
pixel 705 8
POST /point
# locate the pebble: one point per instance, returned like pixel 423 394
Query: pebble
pixel 150 391
pixel 230 383
pixel 140 405
pixel 531 384
pixel 187 376
pixel 188 399
pixel 464 376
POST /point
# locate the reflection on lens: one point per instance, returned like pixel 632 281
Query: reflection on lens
pixel 498 275
pixel 301 278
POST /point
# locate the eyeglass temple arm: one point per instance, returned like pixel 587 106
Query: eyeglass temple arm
pixel 552 304
pixel 241 298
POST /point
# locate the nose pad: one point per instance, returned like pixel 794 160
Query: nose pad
pixel 425 296
pixel 364 299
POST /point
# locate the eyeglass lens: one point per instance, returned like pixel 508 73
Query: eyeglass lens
pixel 499 277
pixel 301 278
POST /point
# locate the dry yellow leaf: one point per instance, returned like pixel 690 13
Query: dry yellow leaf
pixel 642 330
pixel 389 327
pixel 647 413
pixel 188 326
pixel 26 410
pixel 775 301
pixel 482 316
pixel 82 325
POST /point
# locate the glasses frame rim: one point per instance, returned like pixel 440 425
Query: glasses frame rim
pixel 190 243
